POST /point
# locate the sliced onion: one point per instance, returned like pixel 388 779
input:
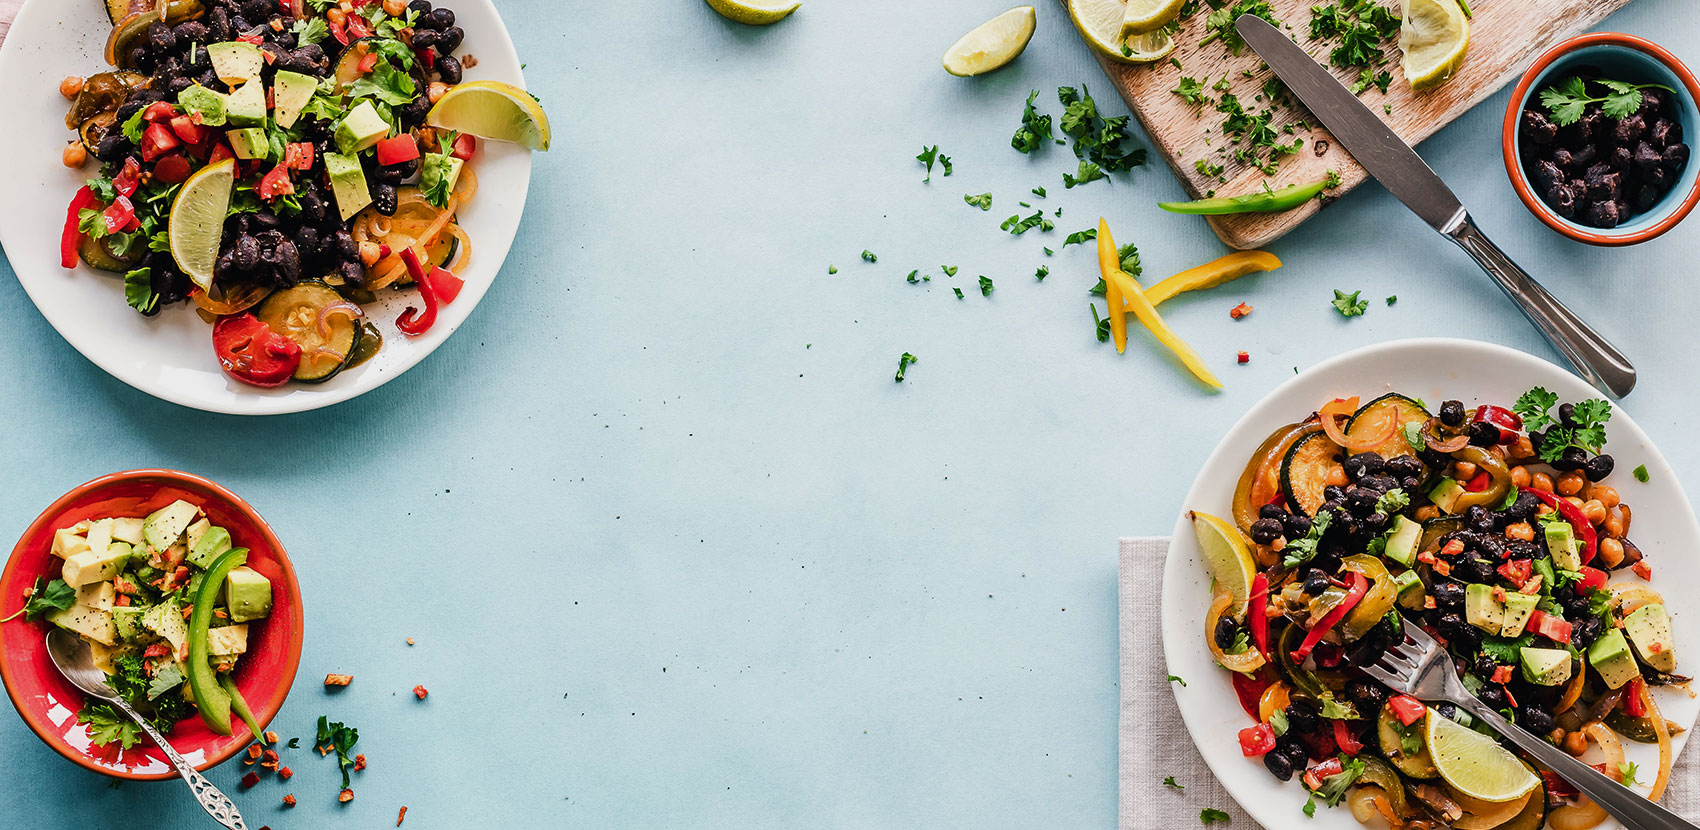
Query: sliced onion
pixel 1373 437
pixel 1438 444
pixel 238 299
pixel 343 308
pixel 1245 662
pixel 1661 730
pixel 1573 692
pixel 1628 596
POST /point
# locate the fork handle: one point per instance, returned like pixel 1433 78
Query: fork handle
pixel 216 803
pixel 1623 803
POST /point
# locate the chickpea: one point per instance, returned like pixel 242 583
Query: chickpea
pixel 1576 743
pixel 1614 525
pixel 1611 552
pixel 370 253
pixel 1541 482
pixel 1556 735
pixel 71 86
pixel 336 17
pixel 1279 544
pixel 1523 447
pixel 395 8
pixel 1576 500
pixel 436 90
pixel 1464 470
pixel 75 155
pixel 1427 512
pixel 1606 495
pixel 1595 511
pixel 1571 483
pixel 1520 476
pixel 1337 476
pixel 1521 531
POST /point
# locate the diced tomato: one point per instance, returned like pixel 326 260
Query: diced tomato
pixel 172 169
pixel 249 351
pixel 1249 689
pixel 1324 769
pixel 368 63
pixel 1256 740
pixel 1344 738
pixel 1501 675
pixel 276 183
pixel 157 140
pixel 1516 570
pixel 157 650
pixel 1633 704
pixel 120 215
pixel 128 178
pixel 1550 626
pixel 159 112
pixel 465 146
pixel 358 27
pixel 397 150
pixel 220 152
pixel 255 38
pixel 187 130
pixel 298 155
pixel 426 56
pixel 1479 483
pixel 269 58
pixel 1407 709
pixel 1592 579
pixel 1556 786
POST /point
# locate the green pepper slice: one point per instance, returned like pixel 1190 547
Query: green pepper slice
pixel 1499 474
pixel 1265 201
pixel 240 705
pixel 210 696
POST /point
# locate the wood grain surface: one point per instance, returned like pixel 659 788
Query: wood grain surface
pixel 1505 37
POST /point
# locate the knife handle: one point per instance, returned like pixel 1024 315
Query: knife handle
pixel 1595 359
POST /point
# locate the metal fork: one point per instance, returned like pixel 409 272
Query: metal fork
pixel 1423 669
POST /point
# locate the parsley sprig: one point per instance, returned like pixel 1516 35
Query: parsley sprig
pixel 336 736
pixel 1568 99
pixel 1586 429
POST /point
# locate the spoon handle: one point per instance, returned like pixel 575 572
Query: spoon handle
pixel 217 804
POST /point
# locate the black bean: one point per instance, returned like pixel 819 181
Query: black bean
pixel 1523 509
pixel 245 253
pixel 1333 494
pixel 218 25
pixel 450 39
pixel 384 198
pixel 1279 765
pixel 142 59
pixel 1316 581
pixel 346 247
pixel 1362 464
pixel 259 9
pixel 1483 434
pixel 1537 127
pixel 1652 100
pixel 1452 413
pixel 424 39
pixel 239 24
pixel 1629 130
pixel 440 19
pixel 1604 187
pixel 352 272
pixel 1226 632
pixel 288 259
pixel 1265 531
pixel 448 67
pixel 1598 467
pixel 306 241
pixel 1404 466
pixel 1493 695
pixel 1297 525
pixel 1480 519
pixel 421 6
pixel 1380 483
pixel 1586 630
pixel 1362 498
pixel 1535 719
pixel 1546 175
pixel 1448 594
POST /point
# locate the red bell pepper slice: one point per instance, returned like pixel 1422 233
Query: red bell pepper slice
pixel 1344 738
pixel 72 236
pixel 1480 482
pixel 120 215
pixel 1257 739
pixel 446 284
pixel 1578 522
pixel 129 177
pixel 1550 626
pixel 157 140
pixel 464 147
pixel 1257 617
pixel 411 322
pixel 1634 705
pixel 1355 590
pixel 298 155
pixel 1407 709
pixel 397 150
pixel 368 63
pixel 1516 571
pixel 249 351
pixel 255 38
pixel 427 57
pixel 1509 423
pixel 358 27
pixel 172 169
pixel 337 31
pixel 1249 690
pixel 1556 786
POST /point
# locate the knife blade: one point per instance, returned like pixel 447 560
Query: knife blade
pixel 1375 146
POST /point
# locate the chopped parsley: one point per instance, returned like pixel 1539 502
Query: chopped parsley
pixel 869 256
pixel 832 269
pixel 107 725
pixel 1097 139
pixel 903 365
pixel 1176 679
pixel 1627 769
pixel 982 201
pixel 928 156
pixel 1039 191
pixel 1348 304
pixel 949 270
pixel 1018 226
pixel 1043 272
pixel 986 287
pixel 1641 474
pixel 1334 787
pixel 1393 299
pixel 1172 784
pixel 138 290
pixel 1192 91
pixel 1078 237
pixel 1220 24
pixel 1300 551
pixel 1087 172
pixel 1361 29
pixel 1587 428
pixel 1035 127
pixel 958 292
pixel 1211 815
pixel 341 739
pixel 1392 502
pixel 47 596
pixel 1100 325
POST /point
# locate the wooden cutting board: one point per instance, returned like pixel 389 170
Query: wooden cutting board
pixel 1505 37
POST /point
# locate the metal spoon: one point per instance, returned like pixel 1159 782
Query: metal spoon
pixel 71 655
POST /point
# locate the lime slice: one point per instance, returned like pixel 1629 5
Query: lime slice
pixel 992 44
pixel 755 12
pixel 1227 556
pixel 493 110
pixel 196 224
pixel 1434 36
pixel 1149 15
pixel 1474 764
pixel 1100 23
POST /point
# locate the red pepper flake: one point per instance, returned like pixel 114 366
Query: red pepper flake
pixel 1643 570
pixel 1244 357
pixel 285 773
pixel 401 815
pixel 289 800
pixel 271 737
pixel 419 692
pixel 1502 675
pixel 410 641
pixel 250 780
pixel 1239 311
pixel 1428 603
pixel 345 796
pixel 1452 548
pixel 254 751
pixel 359 762
pixel 338 679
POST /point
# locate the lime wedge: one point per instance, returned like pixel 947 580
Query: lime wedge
pixel 493 110
pixel 1149 15
pixel 196 224
pixel 1474 764
pixel 1434 35
pixel 755 12
pixel 1100 23
pixel 992 44
pixel 1226 554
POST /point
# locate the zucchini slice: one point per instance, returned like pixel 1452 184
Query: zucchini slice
pixel 1408 411
pixel 1534 814
pixel 1435 529
pixel 1304 472
pixel 296 313
pixel 1419 765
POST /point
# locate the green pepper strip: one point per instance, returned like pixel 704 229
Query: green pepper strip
pixel 1303 679
pixel 1378 773
pixel 210 697
pixel 1376 603
pixel 1266 201
pixel 1488 463
pixel 240 704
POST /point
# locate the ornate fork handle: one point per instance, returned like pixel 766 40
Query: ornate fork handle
pixel 217 804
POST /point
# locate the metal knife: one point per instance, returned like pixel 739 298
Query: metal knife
pixel 1392 162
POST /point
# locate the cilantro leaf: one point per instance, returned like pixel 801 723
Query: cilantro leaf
pixel 385 83
pixel 1300 551
pixel 336 736
pixel 903 365
pixel 1334 787
pixel 928 156
pixel 138 290
pixel 1568 99
pixel 1080 237
pixel 1087 172
pixel 310 31
pixel 1627 769
pixel 1392 502
pixel 165 678
pixel 47 596
pixel 1211 815
pixel 1171 783
pixel 1192 91
pixel 982 201
pixel 107 725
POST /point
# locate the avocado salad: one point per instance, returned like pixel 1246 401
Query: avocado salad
pixel 276 163
pixel 1492 529
pixel 165 603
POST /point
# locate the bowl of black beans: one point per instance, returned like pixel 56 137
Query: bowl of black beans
pixel 1597 139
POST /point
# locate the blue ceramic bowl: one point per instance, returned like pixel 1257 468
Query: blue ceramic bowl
pixel 1625 58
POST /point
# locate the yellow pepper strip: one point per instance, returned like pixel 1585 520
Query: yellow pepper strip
pixel 1109 263
pixel 1147 314
pixel 1209 275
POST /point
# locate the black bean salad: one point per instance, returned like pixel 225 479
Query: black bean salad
pixel 276 163
pixel 1601 151
pixel 1493 529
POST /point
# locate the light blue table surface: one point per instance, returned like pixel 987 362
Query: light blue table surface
pixel 674 548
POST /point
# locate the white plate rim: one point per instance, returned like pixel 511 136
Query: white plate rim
pixel 1274 803
pixel 497 215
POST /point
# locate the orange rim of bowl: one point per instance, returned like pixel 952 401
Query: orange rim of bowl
pixel 1514 169
pixel 292 663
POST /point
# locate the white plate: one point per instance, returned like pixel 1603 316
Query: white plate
pixel 170 356
pixel 1434 370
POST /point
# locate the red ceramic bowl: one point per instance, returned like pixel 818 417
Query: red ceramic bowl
pixel 49 703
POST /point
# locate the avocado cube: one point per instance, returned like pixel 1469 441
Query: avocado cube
pixel 228 641
pixel 165 620
pixel 235 62
pixel 362 127
pixel 1445 495
pixel 164 526
pixel 1518 609
pixel 89 567
pixel 290 93
pixel 127 620
pixel 210 104
pixel 348 182
pixel 1649 630
pixel 1561 543
pixel 67 542
pixel 249 142
pixel 1408 587
pixel 245 106
pixel 1610 657
pixel 1482 610
pixel 1403 540
pixel 247 594
pixel 439 168
pixel 92 623
pixel 1545 666
pixel 96 595
pixel 127 530
pixel 209 547
pixel 99 534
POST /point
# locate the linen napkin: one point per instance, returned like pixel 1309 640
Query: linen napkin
pixel 1154 744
